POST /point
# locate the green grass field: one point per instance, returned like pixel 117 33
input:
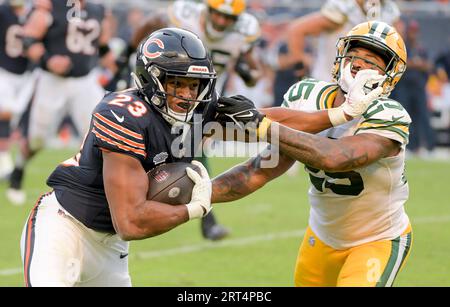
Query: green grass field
pixel 266 227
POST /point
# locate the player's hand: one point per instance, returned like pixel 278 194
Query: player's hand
pixel 59 64
pixel 357 101
pixel 200 204
pixel 242 112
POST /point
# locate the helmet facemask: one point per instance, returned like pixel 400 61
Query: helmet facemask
pixel 163 94
pixel 157 90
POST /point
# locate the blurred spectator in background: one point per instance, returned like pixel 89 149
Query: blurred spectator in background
pixel 439 90
pixel 411 92
pixel 443 64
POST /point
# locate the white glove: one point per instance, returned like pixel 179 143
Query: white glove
pixel 356 100
pixel 200 204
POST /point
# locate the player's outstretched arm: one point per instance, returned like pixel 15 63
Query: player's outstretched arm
pixel 312 122
pixel 246 178
pixel 241 111
pixel 340 155
pixel 134 217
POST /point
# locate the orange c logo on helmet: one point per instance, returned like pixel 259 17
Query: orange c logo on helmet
pixel 153 55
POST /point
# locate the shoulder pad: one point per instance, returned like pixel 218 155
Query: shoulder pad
pixel 386 108
pixel 301 91
pixel 124 108
pixel 386 117
pixel 115 127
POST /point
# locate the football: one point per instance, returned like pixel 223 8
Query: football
pixel 170 184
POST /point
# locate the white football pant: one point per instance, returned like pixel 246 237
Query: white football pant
pixel 57 96
pixel 57 250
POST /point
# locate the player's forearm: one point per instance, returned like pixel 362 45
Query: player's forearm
pixel 315 151
pixel 239 181
pixel 150 219
pixel 311 122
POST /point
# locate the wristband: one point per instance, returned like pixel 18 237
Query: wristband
pixel 195 211
pixel 337 116
pixel 261 132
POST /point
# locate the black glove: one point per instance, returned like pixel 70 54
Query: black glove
pixel 239 110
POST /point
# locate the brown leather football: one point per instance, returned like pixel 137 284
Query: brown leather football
pixel 170 184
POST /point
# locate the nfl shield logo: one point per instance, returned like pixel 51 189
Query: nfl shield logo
pixel 160 176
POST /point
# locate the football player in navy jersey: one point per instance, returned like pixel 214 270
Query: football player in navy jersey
pixel 76 235
pixel 66 39
pixel 13 74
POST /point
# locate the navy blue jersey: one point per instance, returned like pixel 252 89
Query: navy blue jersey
pixel 11 46
pixel 75 35
pixel 122 122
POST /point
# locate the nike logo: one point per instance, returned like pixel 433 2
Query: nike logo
pixel 123 256
pixel 119 119
pixel 394 119
pixel 249 114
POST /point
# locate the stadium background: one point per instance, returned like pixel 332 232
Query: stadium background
pixel 268 226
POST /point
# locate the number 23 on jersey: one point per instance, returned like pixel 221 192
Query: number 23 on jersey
pixel 136 108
